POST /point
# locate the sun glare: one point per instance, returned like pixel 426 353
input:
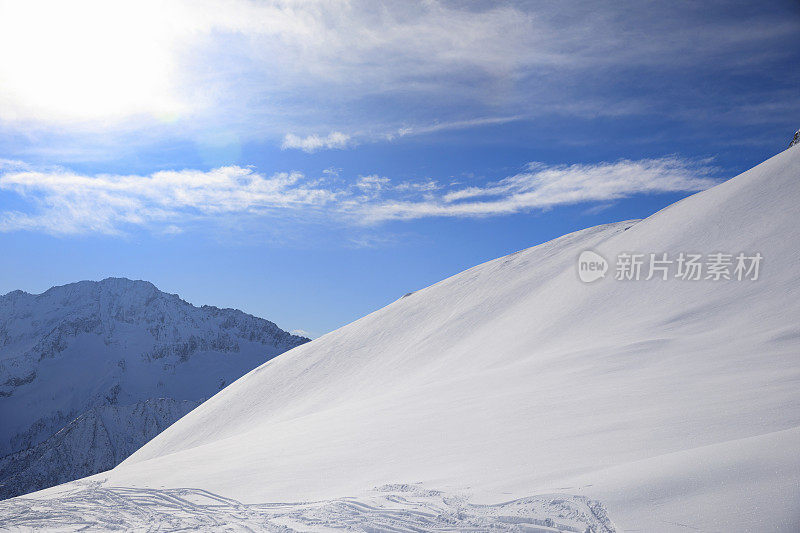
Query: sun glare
pixel 87 60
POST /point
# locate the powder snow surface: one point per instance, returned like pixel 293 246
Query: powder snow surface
pixel 674 403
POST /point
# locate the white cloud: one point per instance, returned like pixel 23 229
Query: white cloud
pixel 64 202
pixel 12 164
pixel 419 186
pixel 338 140
pixel 264 68
pixel 70 203
pixel 312 143
pixel 452 125
pixel 372 183
pixel 544 186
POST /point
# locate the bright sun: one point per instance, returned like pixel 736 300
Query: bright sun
pixel 84 60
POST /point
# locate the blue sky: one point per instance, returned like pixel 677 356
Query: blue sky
pixel 310 162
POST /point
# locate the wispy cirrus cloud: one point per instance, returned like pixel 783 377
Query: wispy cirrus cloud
pixel 434 127
pixel 64 202
pixel 264 68
pixel 543 186
pixel 337 140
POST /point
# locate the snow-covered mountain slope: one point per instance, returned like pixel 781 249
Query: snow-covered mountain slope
pixel 676 403
pixel 96 441
pixel 69 353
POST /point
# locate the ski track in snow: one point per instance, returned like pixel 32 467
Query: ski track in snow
pixel 397 508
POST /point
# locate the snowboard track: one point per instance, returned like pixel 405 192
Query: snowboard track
pixel 394 508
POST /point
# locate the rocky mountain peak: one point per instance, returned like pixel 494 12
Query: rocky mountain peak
pixel 115 343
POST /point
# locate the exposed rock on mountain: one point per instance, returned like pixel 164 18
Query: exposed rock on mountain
pixel 795 139
pixel 99 350
pixel 97 440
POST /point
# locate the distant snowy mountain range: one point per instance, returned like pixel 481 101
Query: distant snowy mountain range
pixel 91 371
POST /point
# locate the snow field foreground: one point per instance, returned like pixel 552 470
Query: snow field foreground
pixel 388 508
pixel 674 403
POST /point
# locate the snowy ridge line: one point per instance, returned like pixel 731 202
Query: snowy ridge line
pixel 397 507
